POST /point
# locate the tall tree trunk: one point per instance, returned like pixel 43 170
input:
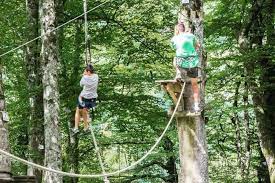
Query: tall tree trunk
pixel 5 162
pixel 50 91
pixel 236 122
pixel 36 128
pixel 266 117
pixel 170 166
pixel 262 169
pixel 73 151
pixel 191 130
pixel 260 33
pixel 247 142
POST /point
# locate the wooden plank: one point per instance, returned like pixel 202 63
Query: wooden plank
pixel 184 80
pixel 24 179
pixel 166 81
pixel 172 87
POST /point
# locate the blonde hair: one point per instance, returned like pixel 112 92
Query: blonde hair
pixel 176 30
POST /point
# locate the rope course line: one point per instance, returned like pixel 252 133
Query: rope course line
pixel 56 28
pixel 99 156
pixel 87 61
pixel 100 175
pixel 86 31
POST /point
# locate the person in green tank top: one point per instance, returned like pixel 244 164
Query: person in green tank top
pixel 186 61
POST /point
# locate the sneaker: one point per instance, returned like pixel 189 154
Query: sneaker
pixel 193 114
pixel 178 79
pixel 75 130
pixel 196 107
pixel 86 130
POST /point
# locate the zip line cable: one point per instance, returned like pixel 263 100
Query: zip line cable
pixel 100 175
pixel 56 28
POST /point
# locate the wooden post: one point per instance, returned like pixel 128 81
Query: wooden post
pixel 191 134
pixel 191 130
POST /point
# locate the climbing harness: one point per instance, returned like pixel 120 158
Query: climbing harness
pixel 106 174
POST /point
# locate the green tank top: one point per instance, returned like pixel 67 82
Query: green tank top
pixel 184 44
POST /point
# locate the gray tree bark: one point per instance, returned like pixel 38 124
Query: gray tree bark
pixel 36 128
pixel 5 163
pixel 191 130
pixel 50 90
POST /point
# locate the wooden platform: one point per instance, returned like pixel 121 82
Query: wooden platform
pixel 19 179
pixel 183 80
pixel 181 114
pixel 173 87
pixel 24 179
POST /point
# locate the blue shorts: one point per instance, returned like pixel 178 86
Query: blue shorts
pixel 86 103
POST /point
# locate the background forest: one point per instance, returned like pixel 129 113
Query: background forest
pixel 130 48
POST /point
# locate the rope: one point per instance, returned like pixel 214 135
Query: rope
pixel 87 60
pixel 100 175
pixel 86 31
pixel 56 28
pixel 99 156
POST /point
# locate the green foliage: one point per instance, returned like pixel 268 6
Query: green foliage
pixel 130 50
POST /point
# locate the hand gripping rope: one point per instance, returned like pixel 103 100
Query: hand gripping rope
pixel 106 174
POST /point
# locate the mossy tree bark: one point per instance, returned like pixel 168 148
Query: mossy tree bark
pixel 5 162
pixel 36 128
pixel 50 90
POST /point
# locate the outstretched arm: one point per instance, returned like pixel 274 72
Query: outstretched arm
pixel 196 44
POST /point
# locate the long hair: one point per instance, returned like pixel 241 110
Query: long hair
pixel 176 30
pixel 181 27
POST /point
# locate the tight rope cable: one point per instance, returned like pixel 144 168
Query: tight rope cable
pixel 100 175
pixel 56 28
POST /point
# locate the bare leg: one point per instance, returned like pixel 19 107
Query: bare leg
pixel 178 72
pixel 77 118
pixel 195 87
pixel 85 118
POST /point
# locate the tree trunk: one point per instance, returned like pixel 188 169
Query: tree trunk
pixel 258 35
pixel 266 120
pixel 266 116
pixel 247 152
pixel 170 166
pixel 73 151
pixel 262 169
pixel 50 91
pixel 5 163
pixel 236 122
pixel 36 128
pixel 191 130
